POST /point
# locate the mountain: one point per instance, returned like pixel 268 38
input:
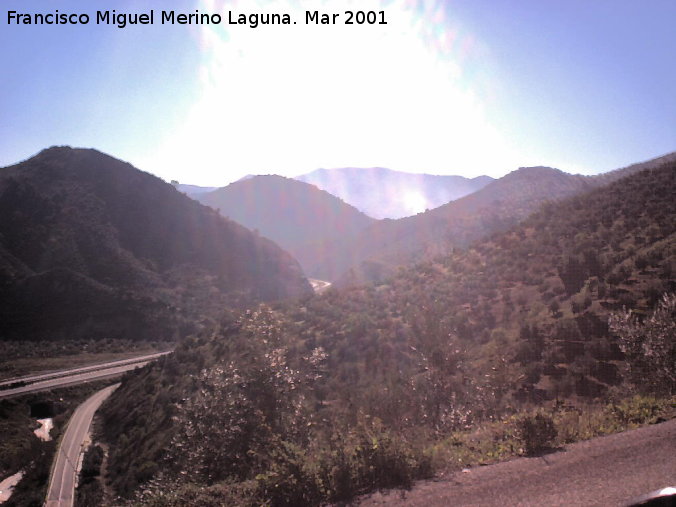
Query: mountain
pixel 192 190
pixel 611 176
pixel 384 193
pixel 296 215
pixel 92 247
pixel 374 254
pixel 377 251
pixel 352 390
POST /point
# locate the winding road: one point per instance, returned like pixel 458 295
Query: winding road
pixel 61 491
pixel 610 470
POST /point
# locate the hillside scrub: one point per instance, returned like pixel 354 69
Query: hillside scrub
pixel 650 346
pixel 91 247
pixel 298 216
pixel 536 432
pixel 494 441
pixel 359 388
pixel 253 417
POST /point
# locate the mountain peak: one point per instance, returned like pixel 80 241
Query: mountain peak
pixel 297 215
pixel 537 170
pixel 82 233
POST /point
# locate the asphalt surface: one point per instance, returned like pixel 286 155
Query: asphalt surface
pixel 77 376
pixel 319 286
pixel 609 470
pixel 72 371
pixel 61 490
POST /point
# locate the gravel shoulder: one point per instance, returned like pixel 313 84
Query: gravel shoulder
pixel 608 470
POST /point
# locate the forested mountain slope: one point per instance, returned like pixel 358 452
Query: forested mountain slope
pixel 296 215
pixel 313 402
pixel 653 163
pixel 91 247
pixel 375 253
pixel 379 250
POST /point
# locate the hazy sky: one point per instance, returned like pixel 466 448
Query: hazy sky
pixel 447 87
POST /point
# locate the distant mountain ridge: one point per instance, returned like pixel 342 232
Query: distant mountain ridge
pixel 296 215
pixel 192 190
pixel 377 251
pixel 384 193
pixel 380 249
pixel 370 250
pixel 92 247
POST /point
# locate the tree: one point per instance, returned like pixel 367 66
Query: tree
pixel 573 274
pixel 554 307
pixel 649 346
pixel 246 403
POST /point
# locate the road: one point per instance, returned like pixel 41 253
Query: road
pixel 75 376
pixel 319 286
pixel 71 371
pixel 61 491
pixel 609 470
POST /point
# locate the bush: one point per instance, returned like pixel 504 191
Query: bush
pixel 637 410
pixel 536 433
pixel 362 459
pixel 649 346
pixel 91 464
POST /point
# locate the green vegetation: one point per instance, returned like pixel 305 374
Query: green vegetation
pixel 92 248
pixel 297 216
pixel 536 432
pixel 565 424
pixel 89 489
pixel 649 346
pixel 367 387
pixel 375 254
pixel 20 449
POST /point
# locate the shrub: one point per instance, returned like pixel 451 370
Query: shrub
pixel 649 346
pixel 637 410
pixel 536 433
pixel 91 465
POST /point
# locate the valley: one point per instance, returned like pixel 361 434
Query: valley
pixel 407 253
pixel 358 355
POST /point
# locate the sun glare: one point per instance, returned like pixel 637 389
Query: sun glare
pixel 414 202
pixel 287 100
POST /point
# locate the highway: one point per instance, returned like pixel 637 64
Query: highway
pixel 74 376
pixel 61 491
pixel 82 369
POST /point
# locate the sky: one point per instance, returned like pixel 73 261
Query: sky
pixel 465 87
